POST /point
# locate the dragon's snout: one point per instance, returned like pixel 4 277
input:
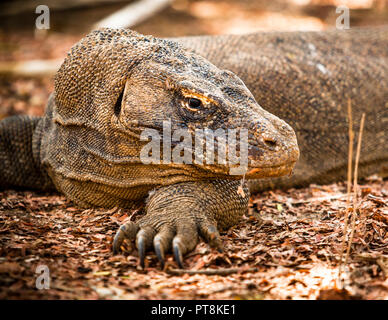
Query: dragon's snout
pixel 273 148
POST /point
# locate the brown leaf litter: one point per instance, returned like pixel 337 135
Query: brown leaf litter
pixel 287 247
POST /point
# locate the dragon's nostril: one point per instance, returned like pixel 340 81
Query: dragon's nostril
pixel 270 142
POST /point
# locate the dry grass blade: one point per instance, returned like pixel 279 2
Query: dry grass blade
pixel 349 183
pixel 355 187
pixel 132 14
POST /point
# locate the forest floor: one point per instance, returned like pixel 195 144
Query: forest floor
pixel 287 247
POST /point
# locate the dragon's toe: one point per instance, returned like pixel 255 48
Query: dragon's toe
pixel 162 242
pixel 179 235
pixel 126 231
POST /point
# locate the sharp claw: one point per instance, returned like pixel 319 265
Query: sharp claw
pixel 118 239
pixel 126 231
pixel 141 249
pixel 143 242
pixel 177 253
pixel 117 243
pixel 159 252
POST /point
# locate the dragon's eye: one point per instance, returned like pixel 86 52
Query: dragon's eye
pixel 194 104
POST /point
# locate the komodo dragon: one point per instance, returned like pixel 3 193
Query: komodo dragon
pixel 115 83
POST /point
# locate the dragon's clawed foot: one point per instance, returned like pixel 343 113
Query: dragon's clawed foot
pixel 167 233
pixel 178 215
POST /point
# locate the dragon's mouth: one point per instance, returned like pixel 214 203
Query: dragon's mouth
pixel 253 172
pixel 270 171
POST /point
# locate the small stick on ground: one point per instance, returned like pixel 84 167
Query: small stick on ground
pixel 133 14
pixel 321 199
pixel 349 184
pixel 211 272
pixel 355 195
pixel 355 187
pixel 383 266
pixel 31 68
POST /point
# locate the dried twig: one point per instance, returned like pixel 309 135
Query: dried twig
pixel 355 187
pixel 210 272
pixel 380 260
pixel 132 14
pixel 377 200
pixel 320 199
pixel 349 183
pixel 383 266
pixel 31 68
pixel 350 154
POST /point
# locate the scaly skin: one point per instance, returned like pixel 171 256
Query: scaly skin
pixel 306 79
pixel 112 86
pixel 90 147
pixel 20 166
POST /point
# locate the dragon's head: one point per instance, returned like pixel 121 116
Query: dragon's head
pixel 141 101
